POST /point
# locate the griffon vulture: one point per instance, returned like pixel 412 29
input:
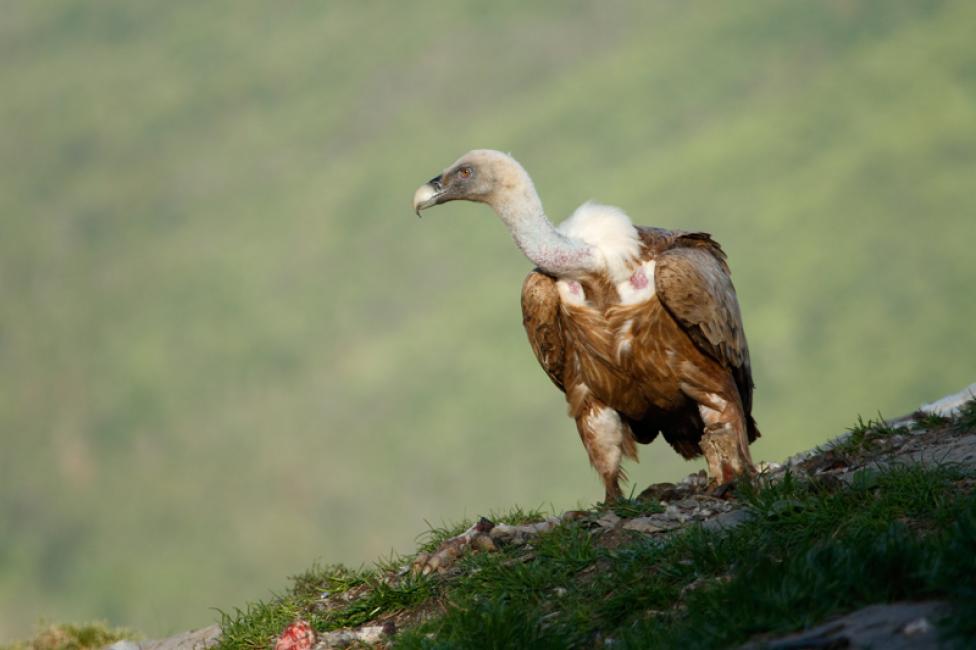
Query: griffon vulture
pixel 638 326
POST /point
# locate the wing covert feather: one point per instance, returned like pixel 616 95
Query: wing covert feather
pixel 693 283
pixel 540 317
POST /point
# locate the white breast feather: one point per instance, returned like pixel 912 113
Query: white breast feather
pixel 609 230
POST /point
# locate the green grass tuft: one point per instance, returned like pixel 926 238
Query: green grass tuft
pixel 637 507
pixel 922 421
pixel 331 597
pixel 956 576
pixel 966 418
pixel 862 435
pixel 435 535
pixel 67 636
pixel 328 598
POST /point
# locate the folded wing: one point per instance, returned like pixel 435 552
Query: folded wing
pixel 693 283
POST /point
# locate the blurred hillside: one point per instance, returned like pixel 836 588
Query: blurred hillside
pixel 227 346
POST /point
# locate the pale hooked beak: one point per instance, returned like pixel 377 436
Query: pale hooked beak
pixel 427 194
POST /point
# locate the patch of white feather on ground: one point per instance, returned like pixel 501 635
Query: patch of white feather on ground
pixel 609 230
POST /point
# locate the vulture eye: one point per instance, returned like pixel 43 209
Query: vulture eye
pixel 464 172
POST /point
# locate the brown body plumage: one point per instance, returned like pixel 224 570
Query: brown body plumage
pixel 639 327
pixel 653 362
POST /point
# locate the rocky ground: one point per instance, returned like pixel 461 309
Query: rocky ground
pixel 928 437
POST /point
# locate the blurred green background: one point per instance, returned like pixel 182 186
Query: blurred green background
pixel 228 348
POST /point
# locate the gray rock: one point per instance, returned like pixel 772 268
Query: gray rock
pixel 125 644
pixel 608 520
pixel 953 450
pixel 950 404
pixel 368 634
pixel 961 450
pixel 652 524
pixel 895 626
pixel 206 637
pixel 728 520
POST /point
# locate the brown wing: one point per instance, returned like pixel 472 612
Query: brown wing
pixel 693 282
pixel 540 316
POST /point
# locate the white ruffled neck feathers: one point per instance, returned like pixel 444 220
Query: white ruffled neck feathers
pixel 609 230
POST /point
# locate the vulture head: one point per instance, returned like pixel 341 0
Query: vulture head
pixel 481 175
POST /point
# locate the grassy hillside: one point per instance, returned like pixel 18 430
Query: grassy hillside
pixel 228 348
pixel 849 527
pixel 696 590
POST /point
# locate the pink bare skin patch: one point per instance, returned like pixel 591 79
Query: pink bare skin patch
pixel 571 293
pixel 638 280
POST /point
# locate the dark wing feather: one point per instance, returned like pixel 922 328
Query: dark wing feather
pixel 540 316
pixel 693 282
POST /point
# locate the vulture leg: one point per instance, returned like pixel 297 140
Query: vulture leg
pixel 607 439
pixel 725 443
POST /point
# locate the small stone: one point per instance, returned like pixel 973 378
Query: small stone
pixel 368 634
pixel 124 644
pixel 643 527
pixel 649 525
pixel 484 525
pixel 727 520
pixel 608 520
pixel 768 468
pixel 659 492
pixel 916 627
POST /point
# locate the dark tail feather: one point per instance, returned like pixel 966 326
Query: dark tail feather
pixel 752 428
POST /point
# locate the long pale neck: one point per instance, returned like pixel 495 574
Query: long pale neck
pixel 521 211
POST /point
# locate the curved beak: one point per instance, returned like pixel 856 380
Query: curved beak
pixel 427 194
